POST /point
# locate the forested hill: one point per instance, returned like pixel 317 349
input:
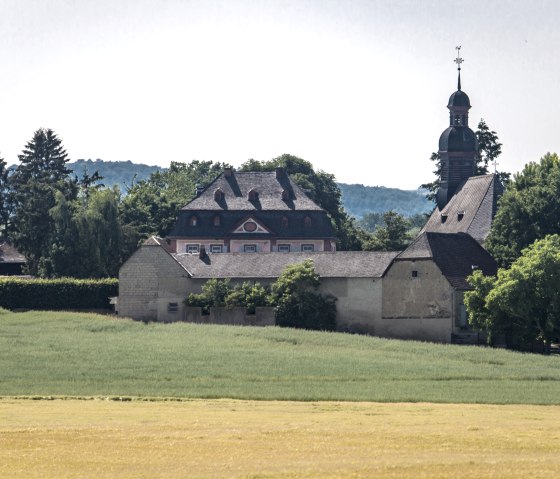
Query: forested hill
pixel 119 173
pixel 357 199
pixel 360 199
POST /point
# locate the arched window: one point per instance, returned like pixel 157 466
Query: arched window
pixel 307 221
pixel 253 195
pixel 193 220
pixel 217 220
pixel 284 221
pixel 218 195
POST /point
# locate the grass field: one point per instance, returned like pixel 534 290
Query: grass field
pixel 266 439
pixel 70 354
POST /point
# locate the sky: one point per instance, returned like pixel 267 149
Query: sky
pixel 359 87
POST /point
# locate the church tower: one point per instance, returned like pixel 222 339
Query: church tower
pixel 457 144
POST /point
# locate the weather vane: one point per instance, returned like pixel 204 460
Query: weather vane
pixel 458 61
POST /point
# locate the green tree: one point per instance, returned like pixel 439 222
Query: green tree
pixel 321 187
pixel 392 236
pixel 34 184
pixel 214 293
pixel 151 206
pixel 5 204
pixel 249 295
pixel 298 304
pixel 88 240
pixel 489 149
pixel 524 299
pixel 528 210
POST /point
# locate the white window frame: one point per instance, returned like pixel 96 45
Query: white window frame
pixel 192 248
pixel 284 248
pixel 308 248
pixel 216 248
pixel 249 248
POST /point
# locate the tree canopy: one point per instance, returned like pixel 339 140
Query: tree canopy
pixel 523 301
pixel 321 187
pixel 528 210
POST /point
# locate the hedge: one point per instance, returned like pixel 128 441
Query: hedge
pixel 57 294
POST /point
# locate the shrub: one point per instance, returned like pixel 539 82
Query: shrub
pixel 214 293
pixel 307 310
pixel 57 294
pixel 249 295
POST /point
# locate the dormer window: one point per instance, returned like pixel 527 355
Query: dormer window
pixel 284 221
pixel 217 220
pixel 218 195
pixel 460 215
pixel 285 195
pixel 307 222
pixel 193 220
pixel 253 195
pixel 444 218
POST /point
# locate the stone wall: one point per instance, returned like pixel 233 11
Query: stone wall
pixel 233 316
pixel 151 282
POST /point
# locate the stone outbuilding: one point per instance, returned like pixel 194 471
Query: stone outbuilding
pixel 154 281
pixel 424 287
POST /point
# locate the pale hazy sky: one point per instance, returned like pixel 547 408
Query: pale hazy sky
pixel 359 88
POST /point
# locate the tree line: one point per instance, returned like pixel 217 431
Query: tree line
pixel 70 225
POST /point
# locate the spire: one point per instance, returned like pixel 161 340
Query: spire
pixel 458 61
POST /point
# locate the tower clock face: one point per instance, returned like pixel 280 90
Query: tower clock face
pixel 250 226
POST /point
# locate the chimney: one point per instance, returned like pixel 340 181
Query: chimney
pixel 198 190
pixel 202 252
pixel 228 172
pixel 280 172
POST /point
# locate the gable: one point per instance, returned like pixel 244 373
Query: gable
pixel 250 226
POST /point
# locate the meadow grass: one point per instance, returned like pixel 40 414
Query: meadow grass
pixel 85 355
pixel 276 440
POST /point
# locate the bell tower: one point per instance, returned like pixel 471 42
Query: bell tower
pixel 458 146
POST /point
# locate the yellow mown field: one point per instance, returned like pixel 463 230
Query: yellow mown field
pixel 248 439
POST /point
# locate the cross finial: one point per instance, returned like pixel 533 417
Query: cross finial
pixel 458 61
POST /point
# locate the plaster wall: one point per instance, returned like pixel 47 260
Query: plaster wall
pixel 416 305
pixel 359 302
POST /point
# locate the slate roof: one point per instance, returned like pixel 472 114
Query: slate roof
pixel 8 254
pixel 236 189
pixel 340 264
pixel 455 254
pixel 470 210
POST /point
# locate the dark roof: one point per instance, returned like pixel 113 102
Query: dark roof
pixel 459 98
pixel 236 189
pixel 340 264
pixel 8 254
pixel 456 255
pixel 470 210
pixel 458 138
pixel 320 227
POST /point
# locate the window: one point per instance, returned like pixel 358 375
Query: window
pixel 172 307
pixel 307 221
pixel 193 220
pixel 249 248
pixel 284 221
pixel 217 221
pixel 307 248
pixel 215 248
pixel 443 218
pixel 414 274
pixel 283 248
pixel 192 248
pixel 460 215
